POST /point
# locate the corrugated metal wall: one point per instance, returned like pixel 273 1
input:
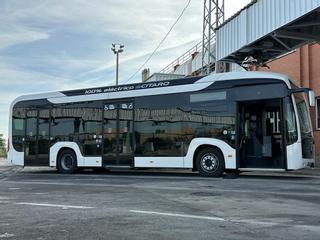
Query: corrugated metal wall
pixel 260 19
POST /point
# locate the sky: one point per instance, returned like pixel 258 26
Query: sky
pixel 49 45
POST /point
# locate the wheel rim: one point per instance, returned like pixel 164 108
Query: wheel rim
pixel 209 162
pixel 67 161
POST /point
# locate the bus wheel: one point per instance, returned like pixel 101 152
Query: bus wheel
pixel 67 161
pixel 210 162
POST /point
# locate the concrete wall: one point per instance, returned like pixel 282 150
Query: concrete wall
pixel 302 66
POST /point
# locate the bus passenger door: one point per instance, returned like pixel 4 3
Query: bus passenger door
pixel 43 141
pixel 260 136
pixel 30 140
pixel 125 133
pixel 109 152
pixel 36 142
pixel 118 134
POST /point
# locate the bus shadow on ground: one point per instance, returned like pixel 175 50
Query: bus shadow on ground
pixel 164 173
pixel 105 172
pixel 273 176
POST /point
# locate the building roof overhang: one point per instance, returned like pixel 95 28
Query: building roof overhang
pixel 267 29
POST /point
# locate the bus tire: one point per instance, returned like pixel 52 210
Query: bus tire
pixel 67 162
pixel 210 162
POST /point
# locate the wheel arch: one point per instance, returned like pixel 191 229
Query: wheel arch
pixel 57 148
pixel 197 144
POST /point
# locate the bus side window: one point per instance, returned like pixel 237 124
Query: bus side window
pixel 18 128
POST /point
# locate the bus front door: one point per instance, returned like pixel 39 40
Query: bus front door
pixel 118 132
pixel 260 134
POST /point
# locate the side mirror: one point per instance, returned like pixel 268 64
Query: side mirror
pixel 312 98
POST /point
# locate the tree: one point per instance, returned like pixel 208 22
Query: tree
pixel 3 149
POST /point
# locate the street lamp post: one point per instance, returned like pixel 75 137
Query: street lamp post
pixel 116 49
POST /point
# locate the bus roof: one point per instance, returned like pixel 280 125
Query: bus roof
pixel 187 84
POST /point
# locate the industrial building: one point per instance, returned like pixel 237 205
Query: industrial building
pixel 267 35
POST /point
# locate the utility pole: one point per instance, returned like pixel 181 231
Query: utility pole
pixel 116 49
pixel 213 16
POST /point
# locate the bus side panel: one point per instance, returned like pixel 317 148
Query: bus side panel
pixel 14 157
pixel 81 160
pixel 187 162
pixel 294 159
pixel 158 162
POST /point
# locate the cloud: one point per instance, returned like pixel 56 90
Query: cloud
pixel 52 45
pixel 143 55
pixel 13 35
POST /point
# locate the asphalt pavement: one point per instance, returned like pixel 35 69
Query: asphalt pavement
pixel 39 203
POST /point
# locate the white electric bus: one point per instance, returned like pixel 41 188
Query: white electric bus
pixel 241 121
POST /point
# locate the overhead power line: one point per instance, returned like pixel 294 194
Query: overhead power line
pixel 161 42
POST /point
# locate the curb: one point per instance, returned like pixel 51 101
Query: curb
pixel 310 172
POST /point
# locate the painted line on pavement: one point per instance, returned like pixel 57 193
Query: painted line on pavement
pixel 53 205
pixel 7 235
pixel 135 186
pixel 235 221
pixel 179 215
pixel 198 217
